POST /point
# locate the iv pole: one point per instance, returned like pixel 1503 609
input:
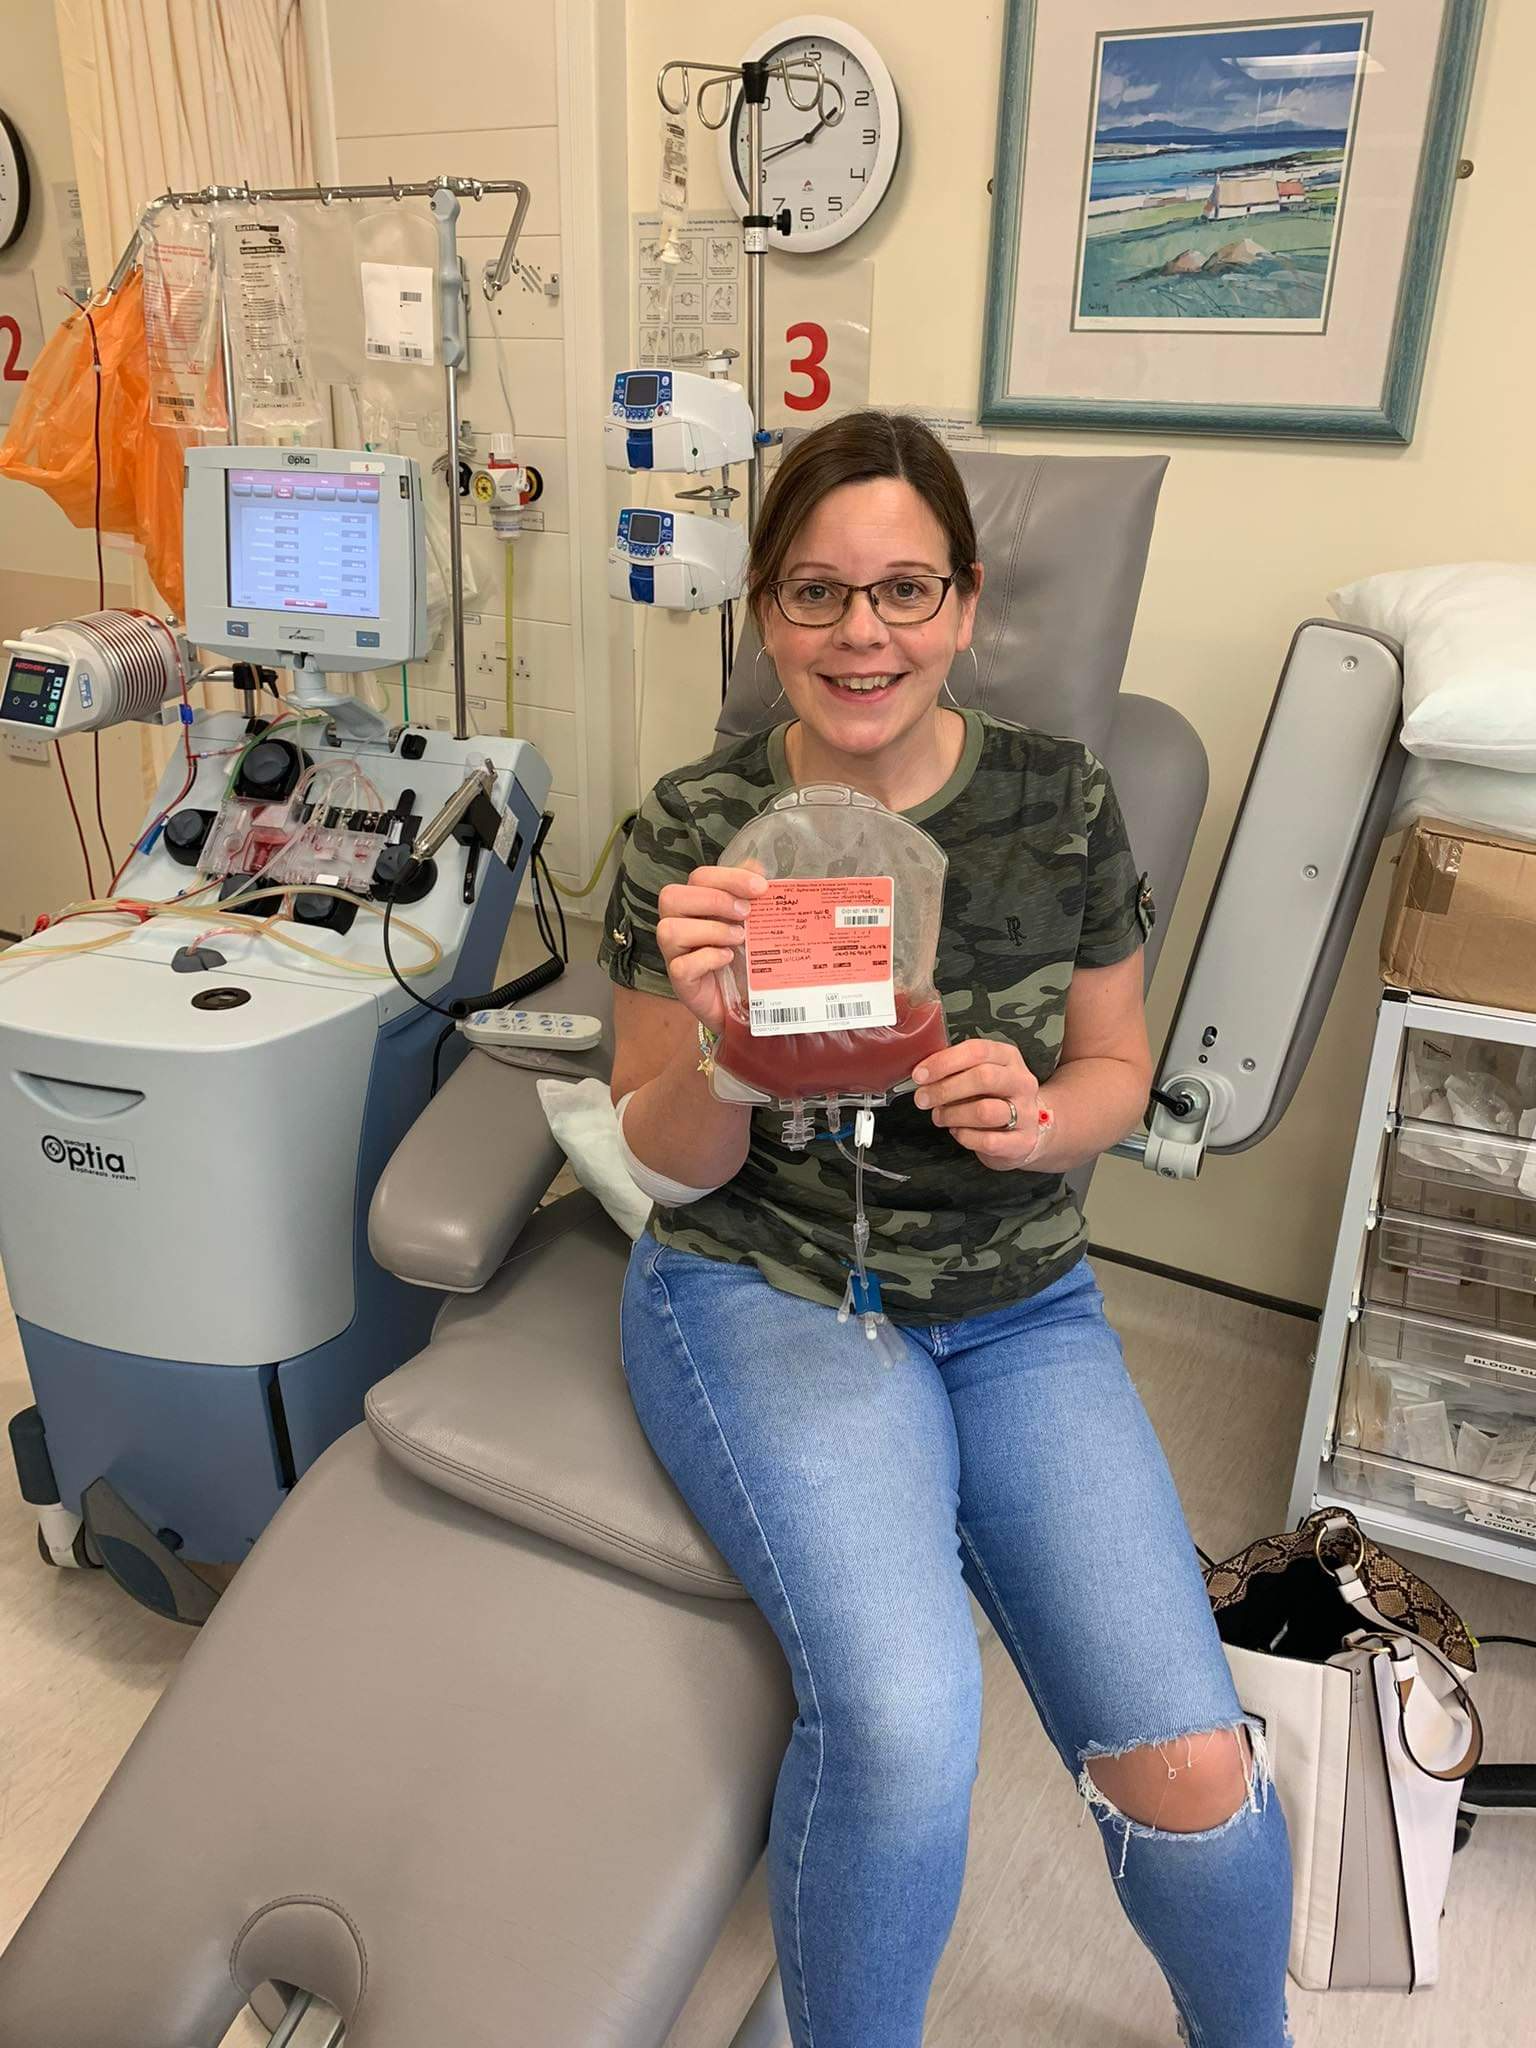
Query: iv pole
pixel 444 194
pixel 754 76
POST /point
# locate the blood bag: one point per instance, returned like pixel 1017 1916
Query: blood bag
pixel 831 1002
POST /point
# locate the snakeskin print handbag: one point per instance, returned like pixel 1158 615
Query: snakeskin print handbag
pixel 1355 1668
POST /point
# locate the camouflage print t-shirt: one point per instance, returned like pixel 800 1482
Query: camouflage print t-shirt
pixel 1041 880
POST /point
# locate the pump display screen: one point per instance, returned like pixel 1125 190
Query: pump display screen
pixel 304 543
pixel 644 529
pixel 34 690
pixel 641 390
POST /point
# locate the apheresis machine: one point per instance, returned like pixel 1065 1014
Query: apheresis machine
pixel 203 1073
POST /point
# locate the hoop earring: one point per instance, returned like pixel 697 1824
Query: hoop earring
pixel 946 691
pixel 766 702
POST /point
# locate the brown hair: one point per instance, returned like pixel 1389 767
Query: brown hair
pixel 855 449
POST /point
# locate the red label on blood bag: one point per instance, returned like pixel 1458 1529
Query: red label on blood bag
pixel 819 955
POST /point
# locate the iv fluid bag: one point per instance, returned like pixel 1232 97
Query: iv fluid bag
pixel 832 996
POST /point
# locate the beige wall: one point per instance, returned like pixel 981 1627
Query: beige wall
pixel 1251 535
pixel 47 568
pixel 486 101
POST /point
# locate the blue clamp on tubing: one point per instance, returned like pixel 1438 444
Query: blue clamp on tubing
pixel 185 713
pixel 864 1294
pixel 834 1137
pixel 147 843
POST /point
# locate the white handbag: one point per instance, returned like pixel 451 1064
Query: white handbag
pixel 1354 1666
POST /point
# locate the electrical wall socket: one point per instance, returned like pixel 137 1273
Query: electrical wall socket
pixel 26 746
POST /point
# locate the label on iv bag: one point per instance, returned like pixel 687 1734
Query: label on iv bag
pixel 819 956
pixel 267 318
pixel 397 313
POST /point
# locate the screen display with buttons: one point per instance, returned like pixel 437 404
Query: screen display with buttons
pixel 305 543
pixel 34 689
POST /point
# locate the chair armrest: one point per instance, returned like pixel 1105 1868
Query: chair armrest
pixel 476 1163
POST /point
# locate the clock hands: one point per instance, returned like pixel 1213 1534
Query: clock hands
pixel 795 141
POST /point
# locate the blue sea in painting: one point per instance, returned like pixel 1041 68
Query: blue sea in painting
pixel 1178 164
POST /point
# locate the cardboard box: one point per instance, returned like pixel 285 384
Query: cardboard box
pixel 1462 920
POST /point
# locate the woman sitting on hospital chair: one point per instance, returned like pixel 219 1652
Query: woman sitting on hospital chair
pixel 1007 1451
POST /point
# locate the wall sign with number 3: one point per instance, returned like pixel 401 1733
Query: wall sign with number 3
pixel 811 366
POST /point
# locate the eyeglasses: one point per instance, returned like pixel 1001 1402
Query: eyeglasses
pixel 898 600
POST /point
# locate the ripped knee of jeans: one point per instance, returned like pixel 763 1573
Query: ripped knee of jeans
pixel 1187 1787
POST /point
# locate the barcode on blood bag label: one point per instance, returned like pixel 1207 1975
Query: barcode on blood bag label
pixel 819 1009
pixel 819 955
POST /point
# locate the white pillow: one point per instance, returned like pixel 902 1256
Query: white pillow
pixel 1468 633
pixel 586 1128
pixel 1463 794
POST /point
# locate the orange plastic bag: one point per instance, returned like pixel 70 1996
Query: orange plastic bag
pixel 51 442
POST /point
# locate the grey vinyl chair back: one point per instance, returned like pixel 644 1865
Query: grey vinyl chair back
pixel 1064 542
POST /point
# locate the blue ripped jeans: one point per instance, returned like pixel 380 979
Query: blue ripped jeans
pixel 1008 1453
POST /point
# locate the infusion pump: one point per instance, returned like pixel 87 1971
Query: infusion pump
pixel 676 420
pixel 680 561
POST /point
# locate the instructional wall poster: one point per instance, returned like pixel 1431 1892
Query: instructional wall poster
pixel 696 302
pixel 816 315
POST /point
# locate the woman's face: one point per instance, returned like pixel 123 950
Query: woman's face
pixel 861 533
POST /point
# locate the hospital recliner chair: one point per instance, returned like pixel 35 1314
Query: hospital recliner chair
pixel 480 1745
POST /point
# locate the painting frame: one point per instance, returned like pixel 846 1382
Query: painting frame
pixel 1391 417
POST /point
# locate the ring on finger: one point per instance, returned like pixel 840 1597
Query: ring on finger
pixel 1013 1116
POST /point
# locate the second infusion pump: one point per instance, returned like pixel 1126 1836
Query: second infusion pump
pixel 312 555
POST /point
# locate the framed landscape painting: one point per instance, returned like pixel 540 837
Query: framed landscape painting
pixel 1222 222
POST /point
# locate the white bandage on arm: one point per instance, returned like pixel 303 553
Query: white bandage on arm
pixel 672 1194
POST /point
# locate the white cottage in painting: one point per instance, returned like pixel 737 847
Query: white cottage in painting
pixel 1236 198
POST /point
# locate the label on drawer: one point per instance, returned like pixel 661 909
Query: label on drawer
pixel 1495 1518
pixel 1522 1372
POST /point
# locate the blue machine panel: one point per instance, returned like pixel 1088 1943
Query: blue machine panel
pixel 645 535
pixel 644 395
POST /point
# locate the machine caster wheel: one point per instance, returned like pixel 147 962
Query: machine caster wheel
pixel 1465 1822
pixel 82 1550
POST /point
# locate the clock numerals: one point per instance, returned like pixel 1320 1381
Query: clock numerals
pixel 825 200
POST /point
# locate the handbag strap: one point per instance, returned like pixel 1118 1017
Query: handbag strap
pixel 1346 1575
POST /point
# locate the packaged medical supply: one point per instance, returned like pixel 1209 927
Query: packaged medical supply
pixel 1462 919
